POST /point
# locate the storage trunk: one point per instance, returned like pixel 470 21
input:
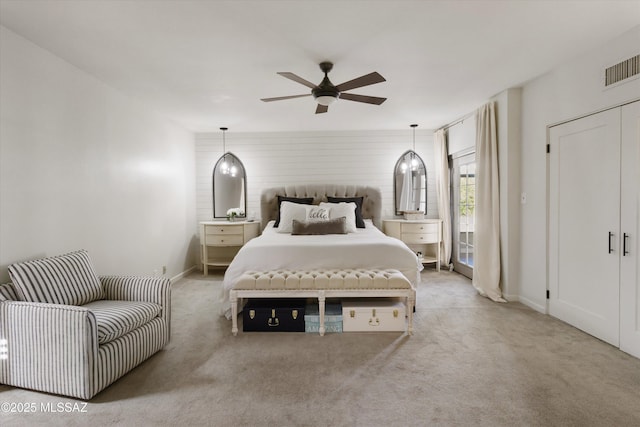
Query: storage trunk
pixel 269 315
pixel 332 318
pixel 373 315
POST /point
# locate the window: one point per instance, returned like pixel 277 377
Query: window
pixel 464 194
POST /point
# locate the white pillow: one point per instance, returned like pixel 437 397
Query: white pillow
pixel 288 212
pixel 342 209
pixel 317 213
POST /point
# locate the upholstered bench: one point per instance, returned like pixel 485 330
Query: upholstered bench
pixel 322 284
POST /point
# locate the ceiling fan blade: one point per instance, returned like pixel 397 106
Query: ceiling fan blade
pixel 367 80
pixel 362 98
pixel 297 78
pixel 280 98
pixel 322 109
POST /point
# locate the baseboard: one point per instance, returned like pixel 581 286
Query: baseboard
pixel 537 307
pixel 179 276
pixel 511 298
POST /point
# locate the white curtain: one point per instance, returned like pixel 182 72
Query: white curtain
pixel 443 193
pixel 486 268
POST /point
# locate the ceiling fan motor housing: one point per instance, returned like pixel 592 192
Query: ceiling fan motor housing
pixel 325 88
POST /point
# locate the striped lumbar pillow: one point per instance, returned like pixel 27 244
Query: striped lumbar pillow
pixel 65 279
pixel 8 292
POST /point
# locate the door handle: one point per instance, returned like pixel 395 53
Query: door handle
pixel 624 244
pixel 610 236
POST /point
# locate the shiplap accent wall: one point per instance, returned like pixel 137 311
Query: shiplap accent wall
pixel 345 157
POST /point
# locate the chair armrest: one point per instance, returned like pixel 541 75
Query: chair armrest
pixel 133 288
pixel 46 341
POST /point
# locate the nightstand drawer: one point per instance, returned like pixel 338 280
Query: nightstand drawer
pixel 224 239
pixel 224 229
pixel 421 228
pixel 417 238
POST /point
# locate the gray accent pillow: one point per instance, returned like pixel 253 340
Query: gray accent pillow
pixel 332 226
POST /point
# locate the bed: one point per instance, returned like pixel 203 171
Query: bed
pixel 366 248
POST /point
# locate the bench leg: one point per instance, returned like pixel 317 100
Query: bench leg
pixel 411 300
pixel 234 312
pixel 321 301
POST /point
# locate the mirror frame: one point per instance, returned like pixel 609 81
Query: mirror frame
pixel 213 184
pixel 395 191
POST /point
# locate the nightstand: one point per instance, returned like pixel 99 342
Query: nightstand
pixel 424 235
pixel 221 240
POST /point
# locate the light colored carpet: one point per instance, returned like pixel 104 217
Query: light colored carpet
pixel 470 362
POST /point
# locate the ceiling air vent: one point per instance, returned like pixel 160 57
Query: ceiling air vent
pixel 621 71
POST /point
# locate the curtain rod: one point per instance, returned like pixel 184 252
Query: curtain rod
pixel 460 120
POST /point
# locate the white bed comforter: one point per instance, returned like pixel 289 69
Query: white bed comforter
pixel 366 248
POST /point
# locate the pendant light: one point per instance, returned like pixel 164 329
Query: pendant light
pixel 224 167
pixel 414 161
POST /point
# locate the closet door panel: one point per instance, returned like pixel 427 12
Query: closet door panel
pixel 584 221
pixel 630 225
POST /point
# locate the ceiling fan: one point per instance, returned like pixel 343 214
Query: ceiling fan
pixel 326 92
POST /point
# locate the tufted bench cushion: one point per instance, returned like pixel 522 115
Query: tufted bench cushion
pixel 323 279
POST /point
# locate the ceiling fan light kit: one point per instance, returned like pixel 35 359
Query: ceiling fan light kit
pixel 326 100
pixel 326 93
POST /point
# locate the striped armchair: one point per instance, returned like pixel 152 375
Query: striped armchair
pixel 87 336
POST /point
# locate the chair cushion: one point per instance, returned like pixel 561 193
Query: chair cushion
pixel 65 279
pixel 8 292
pixel 117 318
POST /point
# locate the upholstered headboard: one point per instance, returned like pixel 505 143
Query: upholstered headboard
pixel 371 202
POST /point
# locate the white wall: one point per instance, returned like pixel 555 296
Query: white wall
pixel 568 91
pixel 461 137
pixel 275 159
pixel 83 166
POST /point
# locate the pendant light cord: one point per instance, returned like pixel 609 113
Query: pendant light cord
pixel 414 136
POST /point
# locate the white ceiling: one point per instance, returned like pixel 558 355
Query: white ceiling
pixel 206 64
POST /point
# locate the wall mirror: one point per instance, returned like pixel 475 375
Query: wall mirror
pixel 229 185
pixel 410 184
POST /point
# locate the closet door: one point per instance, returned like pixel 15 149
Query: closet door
pixel 630 226
pixel 584 222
